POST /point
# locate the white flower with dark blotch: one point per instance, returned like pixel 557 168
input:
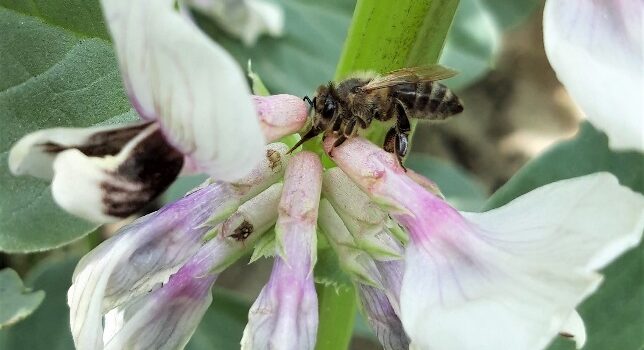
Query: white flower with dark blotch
pixel 509 278
pixel 285 314
pixel 195 107
pixel 145 253
pixel 597 50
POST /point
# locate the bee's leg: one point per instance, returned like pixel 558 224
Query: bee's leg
pixel 340 140
pixel 337 124
pixel 394 140
pixel 350 128
pixel 403 127
pixel 390 141
pixel 402 122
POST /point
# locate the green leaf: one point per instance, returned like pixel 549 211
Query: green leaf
pixel 460 189
pixel 57 70
pixel 16 301
pixel 613 315
pixel 305 56
pixel 48 327
pixel 472 44
pixel 587 153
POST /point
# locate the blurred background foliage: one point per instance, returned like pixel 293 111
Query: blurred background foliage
pixel 57 68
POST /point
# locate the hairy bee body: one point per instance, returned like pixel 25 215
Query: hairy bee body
pixel 354 103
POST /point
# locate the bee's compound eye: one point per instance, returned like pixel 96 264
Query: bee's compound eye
pixel 329 108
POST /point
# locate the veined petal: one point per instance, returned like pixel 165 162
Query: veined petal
pixel 382 318
pixel 175 74
pixel 284 316
pixel 596 49
pixel 597 222
pixel 34 153
pixel 168 316
pixel 471 283
pixel 111 187
pixel 245 19
pixel 140 256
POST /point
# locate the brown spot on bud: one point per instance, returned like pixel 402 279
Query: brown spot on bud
pixel 242 231
pixel 566 335
pixel 274 158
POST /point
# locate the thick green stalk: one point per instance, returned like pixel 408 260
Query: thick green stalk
pixel 337 313
pixel 384 35
pixel 388 35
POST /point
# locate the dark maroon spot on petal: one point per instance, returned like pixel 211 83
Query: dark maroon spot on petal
pixel 102 143
pixel 152 165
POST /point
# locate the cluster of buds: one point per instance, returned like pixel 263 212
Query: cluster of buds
pixel 426 275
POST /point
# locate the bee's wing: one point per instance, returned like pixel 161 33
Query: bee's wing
pixel 410 75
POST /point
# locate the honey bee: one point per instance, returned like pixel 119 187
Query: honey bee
pixel 346 107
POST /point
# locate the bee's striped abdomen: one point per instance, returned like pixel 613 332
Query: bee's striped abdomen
pixel 428 100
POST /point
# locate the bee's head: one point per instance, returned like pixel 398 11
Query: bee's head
pixel 324 104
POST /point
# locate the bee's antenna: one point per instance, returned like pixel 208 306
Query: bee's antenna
pixel 308 100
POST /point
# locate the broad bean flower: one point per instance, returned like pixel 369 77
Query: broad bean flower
pixel 427 276
pixel 597 50
pixel 195 108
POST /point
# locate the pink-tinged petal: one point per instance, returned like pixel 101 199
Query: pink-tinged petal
pixel 244 19
pixel 382 318
pixel 167 317
pixel 175 74
pixel 280 115
pixel 141 255
pixel 508 278
pixel 596 49
pixel 284 316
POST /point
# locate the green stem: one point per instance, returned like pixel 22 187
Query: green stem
pixel 337 310
pixel 384 36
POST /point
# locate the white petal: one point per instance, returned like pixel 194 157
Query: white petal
pixel 479 298
pixel 104 189
pixel 245 19
pixel 574 328
pixel 34 154
pixel 174 73
pixel 596 49
pixel 583 222
pixel 510 278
